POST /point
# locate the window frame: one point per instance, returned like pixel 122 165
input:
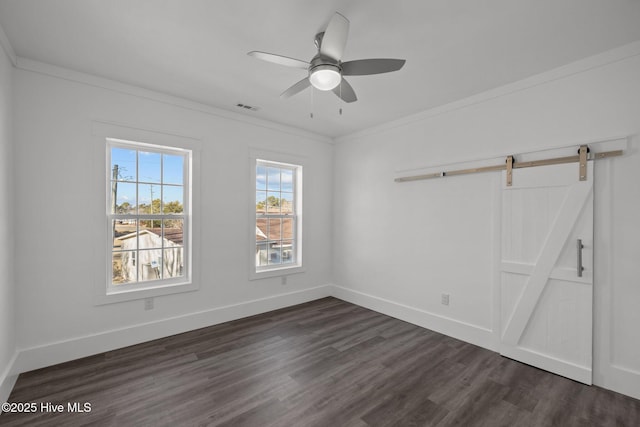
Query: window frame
pixel 138 217
pixel 297 165
pixel 102 260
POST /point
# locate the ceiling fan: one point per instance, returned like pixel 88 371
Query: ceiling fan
pixel 326 69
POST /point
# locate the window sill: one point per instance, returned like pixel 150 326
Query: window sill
pixel 276 272
pixel 141 293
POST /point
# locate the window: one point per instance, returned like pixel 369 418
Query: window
pixel 148 214
pixel 277 216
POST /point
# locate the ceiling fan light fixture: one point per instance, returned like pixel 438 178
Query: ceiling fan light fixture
pixel 325 77
pixel 326 68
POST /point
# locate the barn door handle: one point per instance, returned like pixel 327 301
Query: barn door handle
pixel 580 267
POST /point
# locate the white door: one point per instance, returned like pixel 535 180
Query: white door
pixel 546 304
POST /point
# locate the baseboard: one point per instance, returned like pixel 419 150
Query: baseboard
pixel 621 380
pixel 617 379
pixel 8 379
pixel 63 351
pixel 454 328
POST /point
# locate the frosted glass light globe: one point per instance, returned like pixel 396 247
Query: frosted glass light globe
pixel 325 77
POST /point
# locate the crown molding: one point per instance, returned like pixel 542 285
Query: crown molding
pixel 6 45
pixel 115 86
pixel 577 67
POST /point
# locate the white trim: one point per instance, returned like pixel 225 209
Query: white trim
pixel 298 162
pixel 126 131
pixel 606 373
pixel 531 357
pixel 617 379
pixel 621 380
pixel 8 379
pixel 101 131
pixel 596 61
pixel 467 332
pixel 6 45
pixel 74 348
pixel 115 86
pixel 603 259
pixel 496 258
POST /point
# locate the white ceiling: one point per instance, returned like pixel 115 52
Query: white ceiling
pixel 196 49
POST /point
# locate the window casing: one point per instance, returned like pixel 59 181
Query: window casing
pixel 278 209
pixel 148 216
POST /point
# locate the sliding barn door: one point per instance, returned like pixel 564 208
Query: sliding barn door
pixel 547 274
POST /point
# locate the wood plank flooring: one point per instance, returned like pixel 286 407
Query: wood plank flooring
pixel 323 363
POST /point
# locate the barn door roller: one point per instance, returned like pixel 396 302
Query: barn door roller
pixel 582 154
pixel 509 170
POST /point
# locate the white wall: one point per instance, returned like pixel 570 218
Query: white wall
pixel 399 246
pixel 61 222
pixel 7 284
pixel 395 247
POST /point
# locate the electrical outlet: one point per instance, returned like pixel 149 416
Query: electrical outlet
pixel 283 280
pixel 148 303
pixel 445 299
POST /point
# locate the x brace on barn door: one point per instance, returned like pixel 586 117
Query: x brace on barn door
pixel 510 164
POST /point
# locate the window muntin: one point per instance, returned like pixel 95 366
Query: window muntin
pixel 148 213
pixel 277 216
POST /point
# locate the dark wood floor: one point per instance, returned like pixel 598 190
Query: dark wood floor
pixel 324 363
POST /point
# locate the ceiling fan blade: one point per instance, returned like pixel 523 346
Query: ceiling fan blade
pixel 279 59
pixel 363 67
pixel 345 91
pixel 335 37
pixel 298 87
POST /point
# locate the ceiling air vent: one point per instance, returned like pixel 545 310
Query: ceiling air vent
pixel 247 107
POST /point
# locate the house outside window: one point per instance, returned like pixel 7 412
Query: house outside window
pixel 148 214
pixel 278 208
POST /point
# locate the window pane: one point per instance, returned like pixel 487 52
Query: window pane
pixel 276 219
pixel 288 254
pixel 261 254
pixel 261 201
pixel 274 254
pixel 173 233
pixel 287 228
pixel 149 169
pixel 273 202
pixel 123 164
pixel 274 229
pixel 149 198
pixel 144 182
pixel 124 234
pixel 261 178
pixel 172 263
pixel 172 166
pixel 149 234
pixel 286 203
pixel 124 269
pixel 287 180
pixel 273 179
pixel 261 229
pixel 172 199
pixel 149 265
pixel 125 196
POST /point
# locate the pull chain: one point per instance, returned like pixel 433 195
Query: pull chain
pixel 311 104
pixel 340 90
